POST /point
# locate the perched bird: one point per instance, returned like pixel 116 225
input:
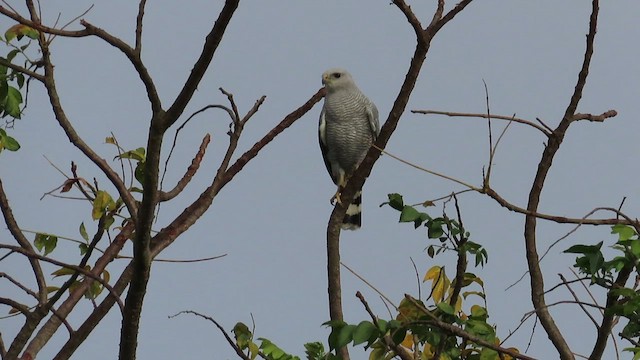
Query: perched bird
pixel 348 126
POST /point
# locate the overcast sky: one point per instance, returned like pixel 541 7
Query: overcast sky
pixel 271 219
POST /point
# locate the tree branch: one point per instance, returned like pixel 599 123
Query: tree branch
pixel 134 57
pixel 400 351
pixel 484 116
pixel 24 243
pixel 20 69
pixel 211 44
pixel 49 328
pixel 73 136
pixel 463 334
pixel 188 175
pixel 357 179
pixel 224 333
pixel 536 276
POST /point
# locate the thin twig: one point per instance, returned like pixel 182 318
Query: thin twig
pixel 575 297
pixel 427 170
pixel 485 116
pixel 371 286
pixel 224 333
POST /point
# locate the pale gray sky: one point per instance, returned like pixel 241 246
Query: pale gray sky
pixel 271 219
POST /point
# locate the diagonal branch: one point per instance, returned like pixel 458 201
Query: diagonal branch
pixel 188 175
pixel 73 136
pixel 536 276
pixel 138 44
pixel 211 44
pixel 24 243
pixel 193 212
pixel 357 179
pixel 134 57
pixel 434 321
pixel 22 70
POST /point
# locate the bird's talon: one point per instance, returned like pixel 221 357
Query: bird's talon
pixel 335 199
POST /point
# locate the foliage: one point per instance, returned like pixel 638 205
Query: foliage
pixel 12 82
pixel 604 273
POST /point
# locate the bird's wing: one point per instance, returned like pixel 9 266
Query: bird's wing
pixel 322 137
pixel 372 116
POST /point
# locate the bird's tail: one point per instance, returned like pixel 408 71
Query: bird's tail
pixel 353 218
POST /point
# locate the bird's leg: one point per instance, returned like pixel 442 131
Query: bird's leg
pixel 342 181
pixel 335 199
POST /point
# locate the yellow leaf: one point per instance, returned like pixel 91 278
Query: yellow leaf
pixel 427 352
pixel 432 273
pixel 408 341
pixel 440 282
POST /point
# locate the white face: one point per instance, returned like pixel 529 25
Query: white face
pixel 336 78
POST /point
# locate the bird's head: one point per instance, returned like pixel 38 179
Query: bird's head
pixel 335 79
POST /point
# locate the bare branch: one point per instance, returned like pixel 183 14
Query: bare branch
pixel 485 116
pixel 211 44
pixel 468 186
pixel 536 276
pixel 188 175
pixel 595 118
pixel 25 244
pixel 20 69
pixel 224 333
pixel 52 324
pixel 19 284
pixel 38 26
pixel 136 61
pixel 75 139
pixel 80 270
pixel 138 44
pixel 581 304
pixel 399 350
pixel 382 295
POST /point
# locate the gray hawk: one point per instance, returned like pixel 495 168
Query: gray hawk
pixel 348 126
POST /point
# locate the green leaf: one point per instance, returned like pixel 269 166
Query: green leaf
pixel 344 336
pixel 481 329
pixel 20 80
pixel 624 232
pixel 242 334
pixel 584 249
pixel 137 155
pixel 7 142
pixel 101 204
pixel 365 331
pixel 446 308
pixel 18 31
pixel 83 248
pixel 469 293
pixel 83 232
pixel 409 214
pixel 431 251
pixel 45 243
pixel 12 103
pixel 478 313
pixel 139 172
pixel 434 229
pixel 63 272
pixel 398 335
pixel 395 201
pixel 489 354
pixel 314 351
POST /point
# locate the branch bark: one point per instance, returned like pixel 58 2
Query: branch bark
pixel 357 179
pixel 555 140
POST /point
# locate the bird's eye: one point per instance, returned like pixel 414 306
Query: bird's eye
pixel 337 75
